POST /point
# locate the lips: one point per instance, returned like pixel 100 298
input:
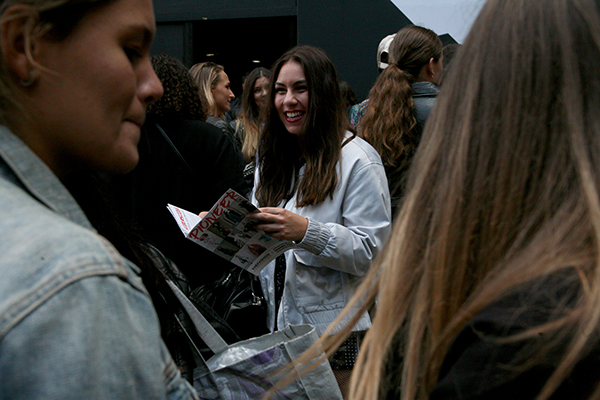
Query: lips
pixel 294 116
pixel 137 119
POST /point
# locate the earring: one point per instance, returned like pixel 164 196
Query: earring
pixel 28 83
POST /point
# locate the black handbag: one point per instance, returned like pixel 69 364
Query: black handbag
pixel 238 299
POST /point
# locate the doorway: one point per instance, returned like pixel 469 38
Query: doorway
pixel 241 45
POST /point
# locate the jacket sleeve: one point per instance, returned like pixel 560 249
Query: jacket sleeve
pixel 352 245
pixel 97 338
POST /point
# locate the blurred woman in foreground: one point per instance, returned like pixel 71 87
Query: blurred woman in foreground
pixel 490 285
pixel 75 319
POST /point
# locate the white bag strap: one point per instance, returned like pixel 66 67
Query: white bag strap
pixel 205 330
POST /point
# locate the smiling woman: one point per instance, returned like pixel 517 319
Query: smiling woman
pixel 322 187
pixel 75 82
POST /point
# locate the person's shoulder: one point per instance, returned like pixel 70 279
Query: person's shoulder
pixel 359 149
pixel 210 130
pixel 532 303
pixel 425 89
pixel 218 122
pixel 360 106
pixel 184 126
pixel 196 135
pixel 38 246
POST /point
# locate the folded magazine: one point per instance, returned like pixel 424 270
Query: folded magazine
pixel 227 232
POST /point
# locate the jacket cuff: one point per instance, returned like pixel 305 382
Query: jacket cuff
pixel 316 237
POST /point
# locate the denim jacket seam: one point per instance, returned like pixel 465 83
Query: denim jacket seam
pixel 57 282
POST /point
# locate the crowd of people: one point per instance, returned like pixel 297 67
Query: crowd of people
pixel 446 230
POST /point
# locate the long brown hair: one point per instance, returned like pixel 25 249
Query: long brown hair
pixel 281 154
pixel 389 122
pixel 504 189
pixel 250 116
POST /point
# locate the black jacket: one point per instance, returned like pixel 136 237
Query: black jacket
pixel 479 366
pixel 161 177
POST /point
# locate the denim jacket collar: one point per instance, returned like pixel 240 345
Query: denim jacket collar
pixel 424 89
pixel 20 165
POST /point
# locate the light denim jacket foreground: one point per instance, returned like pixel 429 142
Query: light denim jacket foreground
pixel 75 319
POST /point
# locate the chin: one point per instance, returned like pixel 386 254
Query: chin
pixel 125 162
pixel 132 162
pixel 294 130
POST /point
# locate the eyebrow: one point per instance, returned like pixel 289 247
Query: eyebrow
pixel 293 84
pixel 140 31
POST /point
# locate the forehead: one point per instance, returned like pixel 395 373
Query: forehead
pixel 290 72
pixel 223 77
pixel 261 80
pixel 123 15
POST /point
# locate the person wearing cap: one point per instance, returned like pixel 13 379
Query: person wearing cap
pixel 358 110
pixel 401 100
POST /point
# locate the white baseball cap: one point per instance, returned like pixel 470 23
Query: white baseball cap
pixel 383 51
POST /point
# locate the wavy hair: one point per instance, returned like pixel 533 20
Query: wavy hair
pixel 250 114
pixel 389 122
pixel 319 144
pixel 207 76
pixel 180 97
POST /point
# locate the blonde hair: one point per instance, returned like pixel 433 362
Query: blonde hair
pixel 504 190
pixel 207 76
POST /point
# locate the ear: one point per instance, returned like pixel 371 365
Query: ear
pixel 16 30
pixel 431 67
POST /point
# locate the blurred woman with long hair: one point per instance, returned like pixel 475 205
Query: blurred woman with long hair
pixel 254 102
pixel 489 287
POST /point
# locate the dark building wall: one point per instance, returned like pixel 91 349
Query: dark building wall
pixel 191 10
pixel 348 30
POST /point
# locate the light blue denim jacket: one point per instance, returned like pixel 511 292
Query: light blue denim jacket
pixel 75 320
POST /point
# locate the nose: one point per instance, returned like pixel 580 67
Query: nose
pixel 231 95
pixel 150 87
pixel 289 99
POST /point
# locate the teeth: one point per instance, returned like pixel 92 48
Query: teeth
pixel 293 115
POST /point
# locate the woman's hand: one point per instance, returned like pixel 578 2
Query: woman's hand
pixel 280 223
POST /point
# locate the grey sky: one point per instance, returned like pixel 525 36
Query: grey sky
pixel 442 16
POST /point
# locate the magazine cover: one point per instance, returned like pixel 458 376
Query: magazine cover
pixel 226 231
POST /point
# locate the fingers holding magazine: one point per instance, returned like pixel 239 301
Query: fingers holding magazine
pixel 280 223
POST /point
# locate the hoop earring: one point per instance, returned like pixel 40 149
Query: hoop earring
pixel 28 83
